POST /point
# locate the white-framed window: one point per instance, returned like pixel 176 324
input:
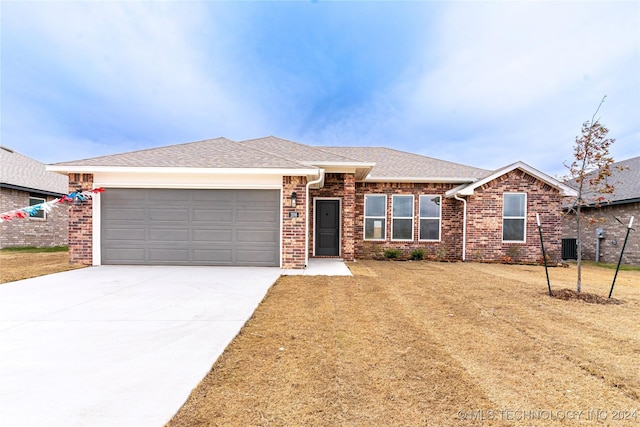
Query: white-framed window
pixel 514 214
pixel 430 217
pixel 402 217
pixel 375 217
pixel 34 200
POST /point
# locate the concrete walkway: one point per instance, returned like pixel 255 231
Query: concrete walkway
pixel 117 345
pixel 322 267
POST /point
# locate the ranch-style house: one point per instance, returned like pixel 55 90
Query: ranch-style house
pixel 274 202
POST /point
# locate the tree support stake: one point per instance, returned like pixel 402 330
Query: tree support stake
pixel 544 256
pixel 621 253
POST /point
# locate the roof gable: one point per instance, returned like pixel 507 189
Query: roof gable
pixel 26 173
pixel 469 189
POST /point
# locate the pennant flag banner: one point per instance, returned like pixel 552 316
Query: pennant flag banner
pixel 74 197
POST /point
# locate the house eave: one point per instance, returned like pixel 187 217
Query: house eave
pixel 359 169
pixel 354 165
pixel 604 204
pixel 30 190
pixel 422 180
pixel 183 170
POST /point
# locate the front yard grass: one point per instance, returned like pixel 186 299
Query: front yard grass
pixel 24 263
pixel 425 343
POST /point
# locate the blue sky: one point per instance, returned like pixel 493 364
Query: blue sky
pixel 479 83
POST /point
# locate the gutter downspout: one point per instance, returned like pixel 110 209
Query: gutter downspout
pixel 464 226
pixel 306 216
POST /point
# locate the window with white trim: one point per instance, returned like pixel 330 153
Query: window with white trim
pixel 430 214
pixel 402 217
pixel 33 200
pixel 514 214
pixel 375 217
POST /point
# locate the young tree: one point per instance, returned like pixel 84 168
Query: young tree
pixel 589 171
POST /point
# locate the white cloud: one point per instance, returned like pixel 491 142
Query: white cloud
pixel 488 83
pixel 121 63
pixel 497 82
pixel 494 59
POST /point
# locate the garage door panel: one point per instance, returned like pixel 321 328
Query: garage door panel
pixel 124 234
pixel 213 215
pixel 220 197
pixel 167 195
pixel 250 236
pixel 124 214
pixel 249 256
pixel 125 256
pixel 217 256
pixel 262 216
pixel 169 235
pixel 261 196
pixel 131 194
pixel 190 227
pixel 218 236
pixel 164 214
pixel 169 255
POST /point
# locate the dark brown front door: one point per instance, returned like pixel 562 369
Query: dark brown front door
pixel 327 228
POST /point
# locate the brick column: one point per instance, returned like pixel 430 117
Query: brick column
pixel 348 217
pixel 81 221
pixel 293 229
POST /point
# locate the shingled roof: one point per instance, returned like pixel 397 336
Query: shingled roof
pixel 295 150
pixel 625 177
pixel 20 172
pixel 381 164
pixel 210 153
pixel 393 164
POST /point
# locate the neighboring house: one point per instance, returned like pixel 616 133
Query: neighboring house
pixel 273 202
pixel 600 227
pixel 25 182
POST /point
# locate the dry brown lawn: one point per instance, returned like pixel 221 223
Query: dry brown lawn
pixel 430 344
pixel 23 265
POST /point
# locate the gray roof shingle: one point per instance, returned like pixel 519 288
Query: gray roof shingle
pixel 21 171
pixel 273 152
pixel 210 153
pixel 625 177
pixel 392 163
pixel 295 150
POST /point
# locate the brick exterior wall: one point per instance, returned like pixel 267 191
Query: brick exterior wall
pixel 293 229
pixel 448 248
pixel 342 186
pixel 52 231
pixel 611 246
pixel 81 222
pixel 349 217
pixel 484 220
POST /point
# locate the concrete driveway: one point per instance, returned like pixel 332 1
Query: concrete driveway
pixel 117 345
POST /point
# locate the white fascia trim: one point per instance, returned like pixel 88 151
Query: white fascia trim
pixel 437 180
pixel 469 189
pixel 340 164
pixel 188 186
pixel 182 170
pixel 454 191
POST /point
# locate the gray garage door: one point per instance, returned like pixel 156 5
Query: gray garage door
pixel 190 227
